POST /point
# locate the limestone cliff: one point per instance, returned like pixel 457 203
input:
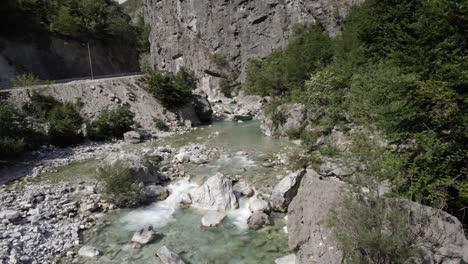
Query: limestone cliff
pixel 212 37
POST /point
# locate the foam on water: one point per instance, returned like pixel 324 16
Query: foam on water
pixel 161 213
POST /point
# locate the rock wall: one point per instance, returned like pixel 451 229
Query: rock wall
pixel 215 38
pixel 51 57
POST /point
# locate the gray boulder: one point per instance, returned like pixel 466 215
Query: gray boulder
pixel 213 219
pixel 155 192
pixel 132 137
pixel 259 205
pixel 215 194
pixel 202 108
pixel 144 236
pixel 9 214
pixel 285 190
pixel 168 257
pixel 258 219
pixel 289 259
pixel 88 252
pixel 285 118
pixel 141 169
pixel 307 217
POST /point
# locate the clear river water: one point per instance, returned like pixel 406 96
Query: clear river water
pixel 234 243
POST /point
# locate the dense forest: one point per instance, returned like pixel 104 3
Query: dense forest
pixel 400 67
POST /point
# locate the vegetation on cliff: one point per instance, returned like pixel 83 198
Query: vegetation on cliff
pixel 400 66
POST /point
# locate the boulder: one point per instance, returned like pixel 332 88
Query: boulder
pixel 285 190
pixel 289 259
pixel 155 192
pixel 144 236
pixel 168 257
pixel 215 194
pixel 132 137
pixel 258 219
pixel 9 214
pixel 141 169
pixel 240 117
pixel 88 252
pixel 307 215
pixel 202 108
pixel 213 219
pixel 243 189
pixel 440 236
pixel 260 206
pixel 286 117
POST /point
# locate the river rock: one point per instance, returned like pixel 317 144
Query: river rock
pixel 9 214
pixel 258 219
pixel 144 236
pixel 142 169
pixel 293 117
pixel 215 194
pixel 88 252
pixel 289 259
pixel 285 190
pixel 132 137
pixel 242 188
pixel 259 205
pixel 155 192
pixel 213 219
pixel 168 257
pixel 202 108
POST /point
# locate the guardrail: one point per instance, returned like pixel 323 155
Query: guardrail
pixel 61 81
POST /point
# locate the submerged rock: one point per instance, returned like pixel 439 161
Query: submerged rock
pixel 258 219
pixel 289 259
pixel 144 236
pixel 285 190
pixel 88 252
pixel 215 194
pixel 155 192
pixel 168 257
pixel 213 219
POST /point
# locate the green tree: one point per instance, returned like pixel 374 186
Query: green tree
pixel 65 23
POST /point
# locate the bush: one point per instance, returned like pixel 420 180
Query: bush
pixel 372 231
pixel 24 80
pixel 65 124
pixel 118 185
pixel 286 70
pixel 41 105
pixel 160 125
pixel 16 132
pixel 111 124
pixel 171 89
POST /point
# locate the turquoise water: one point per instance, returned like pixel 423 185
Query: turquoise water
pixel 234 242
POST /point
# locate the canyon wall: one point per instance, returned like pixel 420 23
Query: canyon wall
pixel 52 57
pixel 217 38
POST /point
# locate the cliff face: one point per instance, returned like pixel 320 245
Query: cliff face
pixel 212 38
pixel 51 57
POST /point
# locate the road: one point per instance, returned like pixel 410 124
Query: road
pixel 88 78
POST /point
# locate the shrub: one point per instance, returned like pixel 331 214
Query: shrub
pixel 171 89
pixel 286 70
pixel 112 123
pixel 372 231
pixel 16 132
pixel 228 86
pixel 24 80
pixel 65 124
pixel 41 105
pixel 160 125
pixel 118 185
